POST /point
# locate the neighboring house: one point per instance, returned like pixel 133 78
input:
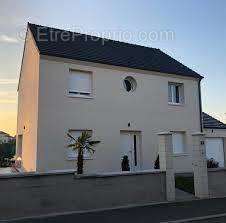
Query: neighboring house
pixel 215 139
pixel 124 94
pixel 5 137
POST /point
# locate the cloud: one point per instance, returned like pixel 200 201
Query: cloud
pixel 7 101
pixel 7 81
pixel 222 117
pixel 8 97
pixel 8 94
pixel 219 116
pixel 8 39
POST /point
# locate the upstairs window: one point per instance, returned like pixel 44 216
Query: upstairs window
pixel 79 83
pixel 175 93
pixel 129 84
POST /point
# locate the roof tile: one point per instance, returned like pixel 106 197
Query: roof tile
pixel 84 47
pixel 211 123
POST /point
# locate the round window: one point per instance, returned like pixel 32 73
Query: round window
pixel 130 84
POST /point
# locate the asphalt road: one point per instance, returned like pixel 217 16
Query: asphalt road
pixel 212 220
pixel 171 212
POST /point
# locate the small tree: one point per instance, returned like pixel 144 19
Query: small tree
pixel 81 144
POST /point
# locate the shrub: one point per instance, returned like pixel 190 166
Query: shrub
pixel 211 163
pixel 7 152
pixel 157 165
pixel 125 163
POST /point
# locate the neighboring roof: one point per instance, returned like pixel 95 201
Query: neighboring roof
pixel 4 133
pixel 211 123
pixel 89 48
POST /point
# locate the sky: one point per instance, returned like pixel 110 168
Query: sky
pixel 193 32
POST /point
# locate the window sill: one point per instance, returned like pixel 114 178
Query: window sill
pixel 180 154
pixel 75 158
pixel 79 96
pixel 175 104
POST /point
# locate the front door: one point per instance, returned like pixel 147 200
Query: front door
pixel 130 147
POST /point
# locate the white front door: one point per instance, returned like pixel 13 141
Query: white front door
pixel 215 150
pixel 130 147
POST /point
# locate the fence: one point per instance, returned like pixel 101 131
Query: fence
pixel 34 194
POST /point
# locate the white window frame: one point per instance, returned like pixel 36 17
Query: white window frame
pixel 182 141
pixel 79 93
pixel 172 98
pixel 71 154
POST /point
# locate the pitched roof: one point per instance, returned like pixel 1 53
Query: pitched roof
pixel 211 123
pixel 89 48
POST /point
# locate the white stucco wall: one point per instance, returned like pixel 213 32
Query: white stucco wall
pixel 27 118
pixel 215 133
pixel 109 111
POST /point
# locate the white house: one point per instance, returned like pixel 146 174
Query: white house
pixel 124 94
pixel 5 137
pixel 215 132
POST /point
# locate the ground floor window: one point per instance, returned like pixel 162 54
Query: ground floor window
pixel 19 145
pixel 178 140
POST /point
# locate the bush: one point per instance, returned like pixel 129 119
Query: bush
pixel 211 163
pixel 125 163
pixel 7 152
pixel 157 165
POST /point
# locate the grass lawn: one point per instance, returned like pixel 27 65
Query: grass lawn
pixel 185 183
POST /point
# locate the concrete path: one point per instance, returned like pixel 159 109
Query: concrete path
pixel 6 170
pixel 191 211
pixel 183 196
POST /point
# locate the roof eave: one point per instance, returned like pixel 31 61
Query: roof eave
pixel 209 127
pixel 199 77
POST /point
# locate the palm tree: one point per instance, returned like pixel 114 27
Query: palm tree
pixel 81 144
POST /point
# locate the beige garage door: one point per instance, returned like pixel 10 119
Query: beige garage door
pixel 215 150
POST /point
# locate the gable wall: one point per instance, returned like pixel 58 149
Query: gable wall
pixel 27 120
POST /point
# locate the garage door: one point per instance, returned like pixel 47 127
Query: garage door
pixel 214 149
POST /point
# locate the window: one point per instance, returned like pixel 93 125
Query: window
pixel 72 154
pixel 175 93
pixel 19 145
pixel 79 83
pixel 178 143
pixel 129 84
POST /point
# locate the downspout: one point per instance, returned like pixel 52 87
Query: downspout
pixel 200 105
